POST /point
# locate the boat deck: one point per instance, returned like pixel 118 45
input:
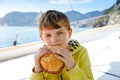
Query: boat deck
pixel 103 45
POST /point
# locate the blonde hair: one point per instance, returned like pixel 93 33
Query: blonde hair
pixel 53 19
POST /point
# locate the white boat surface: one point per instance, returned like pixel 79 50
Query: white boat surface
pixel 103 45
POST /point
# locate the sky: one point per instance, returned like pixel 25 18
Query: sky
pixel 82 6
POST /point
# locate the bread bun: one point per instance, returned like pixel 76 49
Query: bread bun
pixel 50 64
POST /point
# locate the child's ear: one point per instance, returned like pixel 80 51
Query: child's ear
pixel 70 32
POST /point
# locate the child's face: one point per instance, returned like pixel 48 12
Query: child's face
pixel 56 37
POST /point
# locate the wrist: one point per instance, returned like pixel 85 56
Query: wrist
pixel 37 70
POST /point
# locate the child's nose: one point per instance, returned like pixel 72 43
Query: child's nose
pixel 54 39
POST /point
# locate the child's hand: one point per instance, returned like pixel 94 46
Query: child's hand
pixel 66 56
pixel 37 56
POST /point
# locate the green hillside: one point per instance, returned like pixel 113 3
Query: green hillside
pixel 115 8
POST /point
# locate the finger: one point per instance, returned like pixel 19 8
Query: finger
pixel 63 51
pixel 65 60
pixel 60 57
pixel 41 52
pixel 59 52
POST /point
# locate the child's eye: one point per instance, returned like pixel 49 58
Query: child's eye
pixel 47 35
pixel 60 32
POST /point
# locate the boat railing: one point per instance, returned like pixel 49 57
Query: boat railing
pixel 21 31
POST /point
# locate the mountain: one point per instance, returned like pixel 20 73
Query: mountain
pixel 75 16
pixel 93 14
pixel 19 19
pixel 29 18
pixel 111 19
pixel 114 9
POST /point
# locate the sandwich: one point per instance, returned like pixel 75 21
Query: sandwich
pixel 50 64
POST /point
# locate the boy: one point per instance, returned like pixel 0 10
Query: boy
pixel 55 31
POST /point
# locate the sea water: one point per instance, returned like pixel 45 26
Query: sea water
pixel 24 35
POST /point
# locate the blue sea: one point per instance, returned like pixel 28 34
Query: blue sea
pixel 24 35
